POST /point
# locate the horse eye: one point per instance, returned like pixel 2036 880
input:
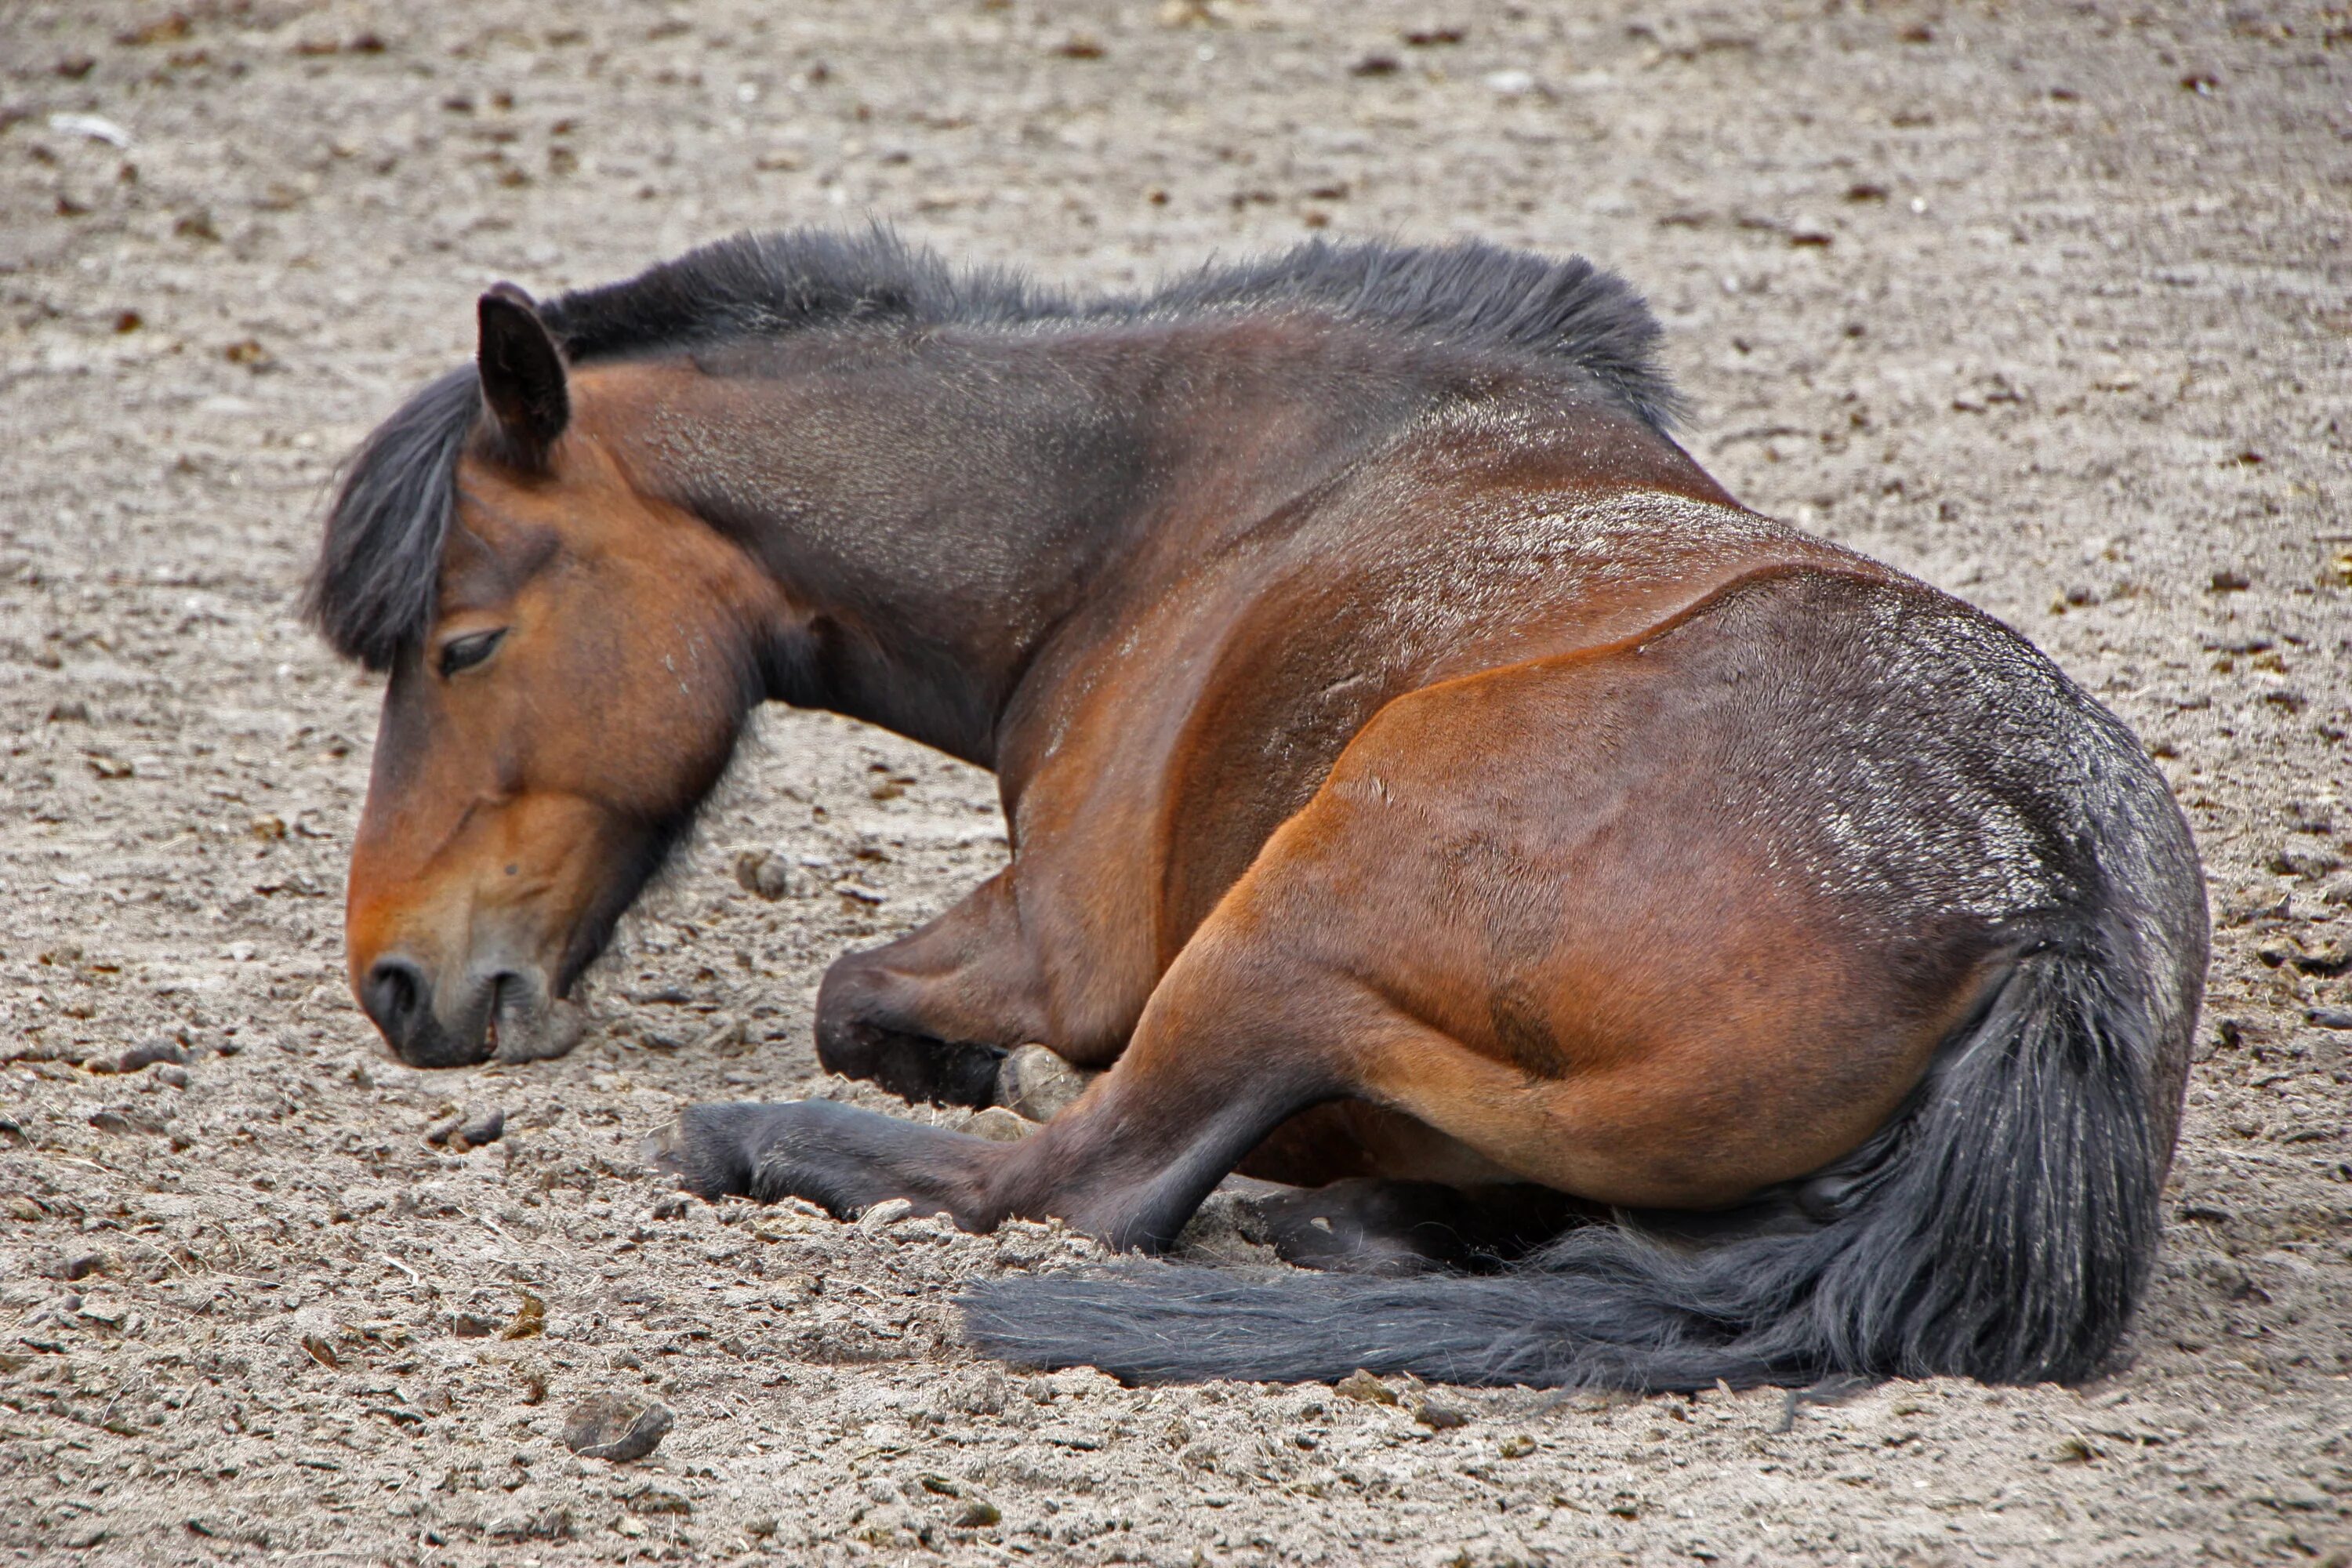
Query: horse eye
pixel 464 653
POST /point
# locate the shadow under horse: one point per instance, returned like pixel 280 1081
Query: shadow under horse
pixel 1426 787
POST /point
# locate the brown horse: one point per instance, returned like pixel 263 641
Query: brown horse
pixel 1427 788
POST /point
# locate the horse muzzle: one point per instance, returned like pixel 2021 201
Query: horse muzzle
pixel 507 1015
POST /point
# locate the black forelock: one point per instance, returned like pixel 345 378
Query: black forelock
pixel 372 589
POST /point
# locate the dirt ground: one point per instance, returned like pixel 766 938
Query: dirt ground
pixel 2049 305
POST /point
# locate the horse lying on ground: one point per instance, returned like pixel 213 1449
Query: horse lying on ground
pixel 1725 956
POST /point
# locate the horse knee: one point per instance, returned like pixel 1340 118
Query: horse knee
pixel 867 1028
pixel 850 1006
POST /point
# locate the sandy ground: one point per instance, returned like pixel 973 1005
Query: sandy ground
pixel 2047 304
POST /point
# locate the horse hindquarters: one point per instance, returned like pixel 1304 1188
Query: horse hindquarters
pixel 2009 887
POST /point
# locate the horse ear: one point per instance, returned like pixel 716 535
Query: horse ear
pixel 522 373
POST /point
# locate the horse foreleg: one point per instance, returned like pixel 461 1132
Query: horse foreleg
pixel 1235 1040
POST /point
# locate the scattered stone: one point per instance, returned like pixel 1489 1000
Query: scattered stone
pixel 95 126
pixel 760 1526
pixel 723 1038
pixel 2079 1451
pixel 979 1515
pixel 1363 1387
pixel 610 1426
pixel 884 1214
pixel 1518 1446
pixel 80 1266
pixel 473 1325
pixel 121 1122
pixel 1038 1084
pixel 763 874
pixel 651 1499
pixel 459 1131
pixel 177 1077
pixel 42 1051
pixel 1439 1417
pixel 549 1525
pixel 2330 1017
pixel 2230 582
pixel 530 1320
pixel 146 1054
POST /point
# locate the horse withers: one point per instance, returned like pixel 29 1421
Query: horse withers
pixel 1682 948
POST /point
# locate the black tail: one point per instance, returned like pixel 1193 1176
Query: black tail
pixel 2001 1229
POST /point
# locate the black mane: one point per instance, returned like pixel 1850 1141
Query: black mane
pixel 372 589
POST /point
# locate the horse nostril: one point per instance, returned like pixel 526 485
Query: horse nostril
pixel 395 994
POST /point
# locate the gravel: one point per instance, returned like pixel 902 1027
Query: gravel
pixel 2045 304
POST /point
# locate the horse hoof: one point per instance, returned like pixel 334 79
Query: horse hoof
pixel 1038 1084
pixel 707 1151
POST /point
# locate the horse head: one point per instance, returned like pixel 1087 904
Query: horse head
pixel 571 660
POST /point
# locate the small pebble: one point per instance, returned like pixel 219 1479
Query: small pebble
pixel 145 1054
pixel 177 1077
pixel 553 1524
pixel 608 1426
pixel 468 1129
pixel 1363 1386
pixel 530 1320
pixel 763 874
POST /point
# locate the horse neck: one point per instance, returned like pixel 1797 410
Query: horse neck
pixel 934 509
